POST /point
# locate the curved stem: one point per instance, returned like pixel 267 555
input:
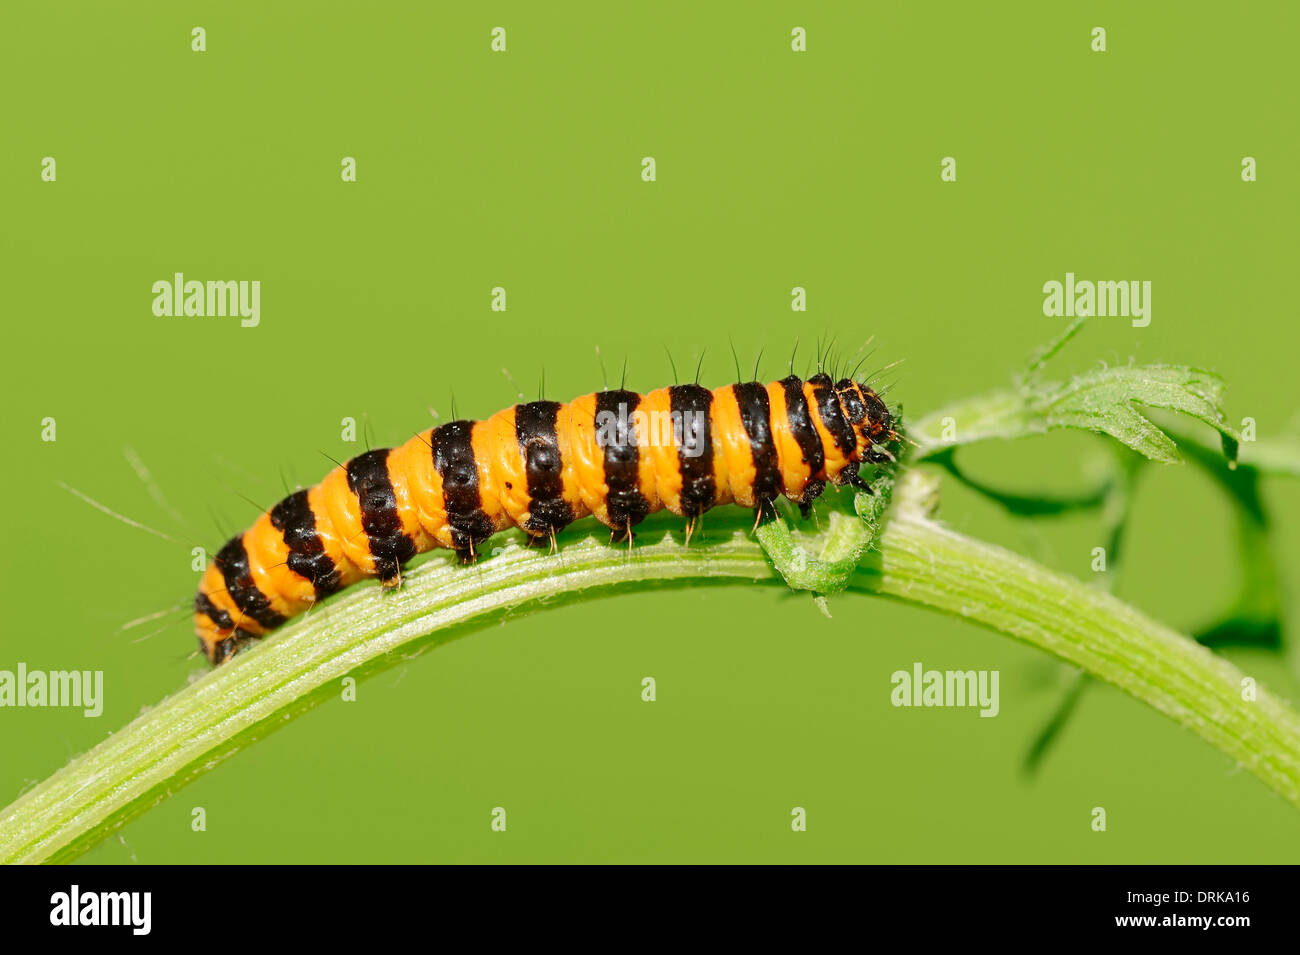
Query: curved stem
pixel 925 563
pixel 261 688
pixel 918 561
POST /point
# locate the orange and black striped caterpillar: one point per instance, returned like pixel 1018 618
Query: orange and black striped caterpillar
pixel 538 466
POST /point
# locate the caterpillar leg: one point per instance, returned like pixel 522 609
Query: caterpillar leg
pixel 812 490
pixel 534 539
pixel 691 523
pixel 861 484
pixel 848 474
pixel 618 535
pixel 220 650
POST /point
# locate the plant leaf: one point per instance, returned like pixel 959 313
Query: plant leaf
pixel 1108 400
pixel 824 562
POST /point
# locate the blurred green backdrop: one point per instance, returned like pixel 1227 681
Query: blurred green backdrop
pixel 522 169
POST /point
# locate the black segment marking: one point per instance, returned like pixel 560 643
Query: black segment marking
pixel 802 427
pixel 624 501
pixel 203 604
pixel 690 406
pixel 828 406
pixel 535 430
pixel 232 561
pixel 851 404
pixel 453 457
pixel 223 650
pixel 756 416
pixel 389 546
pixel 878 416
pixel 294 518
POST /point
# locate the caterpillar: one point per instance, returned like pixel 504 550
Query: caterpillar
pixel 538 466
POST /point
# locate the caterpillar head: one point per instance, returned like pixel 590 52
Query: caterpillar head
pixel 870 419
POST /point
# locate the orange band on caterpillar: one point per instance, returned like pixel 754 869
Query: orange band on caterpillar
pixel 539 466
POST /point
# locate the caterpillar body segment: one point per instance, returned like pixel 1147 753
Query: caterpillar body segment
pixel 538 466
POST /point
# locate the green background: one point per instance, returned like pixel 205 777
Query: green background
pixel 775 169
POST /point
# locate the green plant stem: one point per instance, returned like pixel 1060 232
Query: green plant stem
pixel 918 561
pixel 925 563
